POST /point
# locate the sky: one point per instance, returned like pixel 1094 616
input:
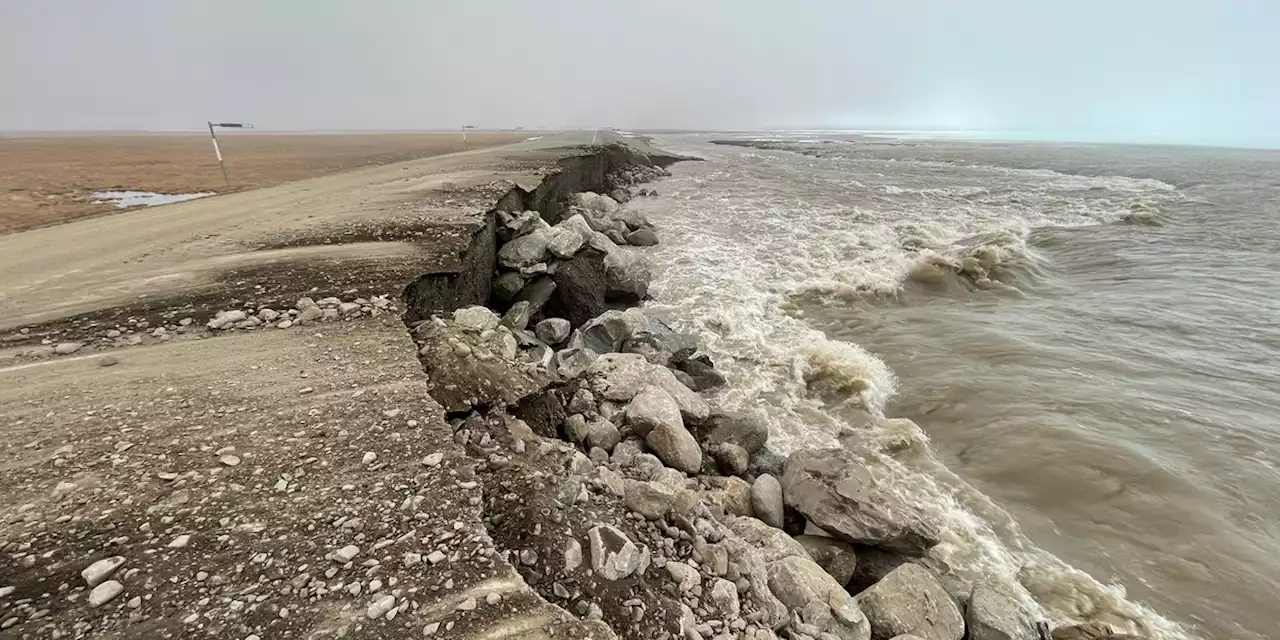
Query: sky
pixel 1197 71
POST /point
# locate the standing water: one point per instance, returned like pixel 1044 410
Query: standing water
pixel 1085 333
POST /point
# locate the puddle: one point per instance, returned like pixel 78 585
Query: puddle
pixel 124 199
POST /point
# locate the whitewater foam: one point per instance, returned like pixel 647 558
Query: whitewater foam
pixel 748 232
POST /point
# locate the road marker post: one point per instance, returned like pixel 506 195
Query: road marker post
pixel 217 151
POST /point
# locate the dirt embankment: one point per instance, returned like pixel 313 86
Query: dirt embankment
pixel 48 180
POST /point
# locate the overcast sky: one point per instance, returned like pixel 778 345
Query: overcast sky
pixel 1175 70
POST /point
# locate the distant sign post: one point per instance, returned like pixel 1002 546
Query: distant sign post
pixel 216 150
pixel 464 134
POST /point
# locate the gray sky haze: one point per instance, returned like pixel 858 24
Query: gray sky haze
pixel 1198 71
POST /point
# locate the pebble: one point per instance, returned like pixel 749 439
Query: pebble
pixel 432 459
pixel 380 607
pixel 493 598
pixel 4 591
pixel 104 593
pixel 431 628
pixel 95 573
pixel 167 475
pixel 369 457
pixel 180 541
pixel 346 553
pixel 467 605
pixel 108 361
pixel 436 557
pixel 65 348
pixel 134 602
pixel 229 460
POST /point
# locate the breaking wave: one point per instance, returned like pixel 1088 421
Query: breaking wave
pixel 753 238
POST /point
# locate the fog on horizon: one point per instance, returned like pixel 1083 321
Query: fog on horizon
pixel 1193 71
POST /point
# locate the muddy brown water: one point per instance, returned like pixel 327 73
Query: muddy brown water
pixel 1085 334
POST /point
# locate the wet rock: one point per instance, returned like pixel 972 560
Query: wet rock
pixel 517 317
pixel 1090 631
pixel 873 565
pixel 992 615
pixel 104 593
pixel 766 500
pixel 803 585
pixel 837 557
pixel 703 375
pixel 580 288
pixel 742 429
pixel 607 332
pixel 537 293
pixel 613 555
pixel 95 573
pixel 649 499
pixel 642 238
pixel 844 499
pixel 507 286
pixel 627 276
pixel 910 600
pixel 633 219
pixel 731 458
pixel 620 376
pixel 526 250
pixel 552 331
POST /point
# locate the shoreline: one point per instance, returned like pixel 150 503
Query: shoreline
pixel 671 520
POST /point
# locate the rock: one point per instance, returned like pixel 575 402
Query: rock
pixel 873 565
pixel 104 593
pixel 703 375
pixel 603 434
pixel 620 195
pixel 380 607
pixel 475 318
pixel 108 361
pixel 771 543
pixel 607 332
pixel 651 407
pixel 845 500
pixel 224 319
pixel 742 429
pixel 517 317
pixel 345 554
pixel 731 458
pixel 685 576
pixel 579 225
pixel 992 615
pixel 675 447
pixel 1089 631
pixel 309 314
pixel 724 599
pixel 565 242
pixel 229 460
pixel 432 459
pixel 573 363
pixel 595 203
pixel 506 286
pixel 803 585
pixel 911 601
pixel 526 250
pixel 766 500
pixel 627 276
pixel 580 288
pixel 620 376
pixel 649 499
pixel 349 309
pixel 575 427
pixel 67 348
pixel 737 495
pixel 268 315
pixel 642 238
pixel 180 542
pixel 537 293
pixel 613 555
pixel 552 331
pixel 572 555
pixel 514 225
pixel 835 556
pixel 95 573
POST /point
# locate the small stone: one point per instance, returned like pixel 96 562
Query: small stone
pixel 431 628
pixel 467 605
pixel 108 361
pixel 380 607
pixel 552 331
pixel 229 460
pixel 346 553
pixel 369 458
pixel 134 602
pixel 180 541
pixel 493 598
pixel 433 459
pixel 104 593
pixel 95 573
pixel 67 348
pixel 436 557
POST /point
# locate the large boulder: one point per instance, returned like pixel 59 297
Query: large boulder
pixel 817 599
pixel 993 615
pixel 513 225
pixel 537 293
pixel 743 429
pixel 526 250
pixel 506 286
pixel 846 500
pixel 642 238
pixel 771 543
pixel 675 447
pixel 873 565
pixel 620 376
pixel 579 225
pixel 580 288
pixel 595 202
pixel 610 330
pixel 470 360
pixel 565 242
pixel 627 276
pixel 552 331
pixel 836 556
pixel 613 555
pixel 651 408
pixel 910 600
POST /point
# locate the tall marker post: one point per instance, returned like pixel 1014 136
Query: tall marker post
pixel 216 150
pixel 464 134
